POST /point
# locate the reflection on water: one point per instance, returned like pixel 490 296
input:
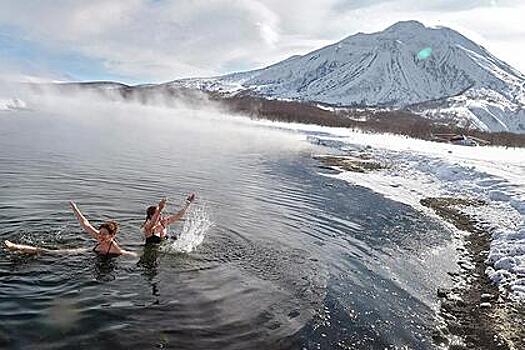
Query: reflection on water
pixel 104 268
pixel 149 263
pixel 292 260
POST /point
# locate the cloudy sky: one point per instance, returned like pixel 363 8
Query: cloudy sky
pixel 159 40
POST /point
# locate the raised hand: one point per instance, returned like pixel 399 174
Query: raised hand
pixel 178 215
pixel 83 221
pixel 162 204
pixel 191 197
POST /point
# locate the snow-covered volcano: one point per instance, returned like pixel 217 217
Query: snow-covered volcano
pixel 436 72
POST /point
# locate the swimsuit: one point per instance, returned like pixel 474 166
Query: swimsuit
pixel 109 249
pixel 153 239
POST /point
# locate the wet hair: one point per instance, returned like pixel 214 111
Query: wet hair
pixel 110 226
pixel 149 213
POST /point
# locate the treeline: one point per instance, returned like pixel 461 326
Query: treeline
pixel 381 121
pixel 378 121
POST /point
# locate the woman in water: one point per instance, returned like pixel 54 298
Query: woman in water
pixel 155 226
pixel 105 236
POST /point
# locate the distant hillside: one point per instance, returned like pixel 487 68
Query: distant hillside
pixel 435 72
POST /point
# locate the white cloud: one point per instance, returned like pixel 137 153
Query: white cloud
pixel 163 40
pixel 152 40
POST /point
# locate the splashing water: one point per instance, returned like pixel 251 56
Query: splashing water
pixel 196 225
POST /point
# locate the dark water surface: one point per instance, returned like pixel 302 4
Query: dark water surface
pixel 294 259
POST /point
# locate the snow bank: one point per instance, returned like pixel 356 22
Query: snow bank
pixel 417 169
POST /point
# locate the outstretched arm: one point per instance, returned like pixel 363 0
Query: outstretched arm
pixel 178 215
pixel 83 221
pixel 128 252
pixel 28 249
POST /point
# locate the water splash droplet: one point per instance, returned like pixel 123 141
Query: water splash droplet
pixel 195 227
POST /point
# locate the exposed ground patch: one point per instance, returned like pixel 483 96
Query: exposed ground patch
pixel 358 164
pixel 479 314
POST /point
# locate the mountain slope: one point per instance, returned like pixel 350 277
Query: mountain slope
pixel 405 66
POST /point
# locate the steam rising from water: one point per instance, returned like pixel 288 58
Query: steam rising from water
pixel 164 116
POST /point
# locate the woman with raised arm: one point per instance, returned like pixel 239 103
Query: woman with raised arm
pixel 105 236
pixel 156 226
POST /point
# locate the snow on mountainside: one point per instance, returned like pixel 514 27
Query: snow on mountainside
pixel 406 65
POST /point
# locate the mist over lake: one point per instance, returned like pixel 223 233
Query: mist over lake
pixel 289 259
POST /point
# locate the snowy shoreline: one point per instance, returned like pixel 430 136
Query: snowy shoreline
pixel 481 192
pixel 419 169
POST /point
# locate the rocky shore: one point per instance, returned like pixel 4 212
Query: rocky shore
pixel 477 315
